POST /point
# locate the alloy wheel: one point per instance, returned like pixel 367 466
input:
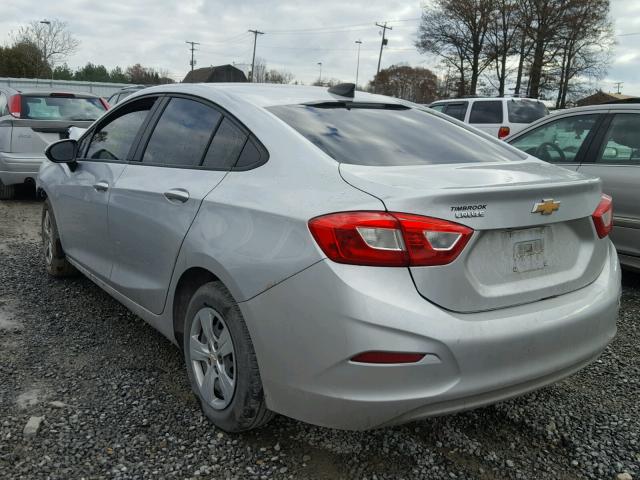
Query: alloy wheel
pixel 213 358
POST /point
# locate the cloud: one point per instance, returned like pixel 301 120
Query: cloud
pixel 298 34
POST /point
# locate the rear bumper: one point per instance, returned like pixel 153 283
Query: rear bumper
pixel 18 167
pixel 306 329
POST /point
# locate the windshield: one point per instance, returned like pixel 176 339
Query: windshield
pixel 389 135
pixel 525 111
pixel 61 108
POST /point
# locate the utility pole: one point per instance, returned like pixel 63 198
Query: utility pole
pixel 618 85
pixel 47 22
pixel 320 63
pixel 253 60
pixel 359 42
pixel 383 43
pixel 193 48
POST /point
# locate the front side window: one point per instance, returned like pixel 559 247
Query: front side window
pixel 558 141
pixel 456 110
pixel 182 134
pixel 384 135
pixel 486 111
pixel 621 144
pixel 113 140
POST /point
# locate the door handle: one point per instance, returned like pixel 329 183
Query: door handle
pixel 101 186
pixel 177 195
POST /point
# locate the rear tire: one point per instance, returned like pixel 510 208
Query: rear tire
pixel 7 192
pixel 55 259
pixel 221 362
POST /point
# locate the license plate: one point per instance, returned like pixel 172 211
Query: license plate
pixel 528 249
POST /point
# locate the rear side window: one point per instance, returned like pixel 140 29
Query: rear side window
pixel 225 146
pixel 390 136
pixel 456 110
pixel 525 111
pixel 489 111
pixel 437 108
pixel 182 134
pixel 114 138
pixel 61 108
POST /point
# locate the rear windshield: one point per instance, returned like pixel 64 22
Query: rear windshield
pixel 525 111
pixel 389 136
pixel 61 108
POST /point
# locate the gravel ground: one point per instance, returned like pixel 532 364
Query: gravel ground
pixel 115 402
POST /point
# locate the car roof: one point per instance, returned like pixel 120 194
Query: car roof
pixel 44 92
pixel 472 99
pixel 597 108
pixel 265 94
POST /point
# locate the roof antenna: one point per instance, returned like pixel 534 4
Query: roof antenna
pixel 344 89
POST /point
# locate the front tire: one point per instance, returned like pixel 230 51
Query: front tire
pixel 55 259
pixel 221 362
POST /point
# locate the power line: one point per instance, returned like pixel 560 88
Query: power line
pixel 253 60
pixel 193 48
pixel 337 28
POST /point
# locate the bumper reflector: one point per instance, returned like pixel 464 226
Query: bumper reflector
pixel 387 357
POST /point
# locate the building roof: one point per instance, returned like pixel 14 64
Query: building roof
pixel 602 97
pixel 221 73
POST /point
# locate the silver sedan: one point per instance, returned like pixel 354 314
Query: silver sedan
pixel 348 260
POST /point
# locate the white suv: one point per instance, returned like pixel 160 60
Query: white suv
pixel 496 116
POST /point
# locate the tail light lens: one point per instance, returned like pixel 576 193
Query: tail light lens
pixel 15 105
pixel 388 239
pixel 603 216
pixel 503 132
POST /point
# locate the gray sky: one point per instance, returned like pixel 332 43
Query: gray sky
pixel 298 34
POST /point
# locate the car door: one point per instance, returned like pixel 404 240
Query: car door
pixel 81 203
pixel 616 160
pixel 487 116
pixel 185 155
pixel 563 141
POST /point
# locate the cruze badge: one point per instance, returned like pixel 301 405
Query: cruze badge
pixel 546 207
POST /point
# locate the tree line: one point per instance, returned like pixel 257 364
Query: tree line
pixel 37 47
pixel 541 47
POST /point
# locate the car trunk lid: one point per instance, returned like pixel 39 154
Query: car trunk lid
pixel 516 255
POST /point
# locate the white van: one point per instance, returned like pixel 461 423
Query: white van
pixel 498 116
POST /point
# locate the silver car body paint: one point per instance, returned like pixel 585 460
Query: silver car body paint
pixel 307 315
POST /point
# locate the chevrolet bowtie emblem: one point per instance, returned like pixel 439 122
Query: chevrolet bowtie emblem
pixel 546 207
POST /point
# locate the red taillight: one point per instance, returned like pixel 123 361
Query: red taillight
pixel 387 357
pixel 388 239
pixel 603 216
pixel 15 105
pixel 105 104
pixel 503 132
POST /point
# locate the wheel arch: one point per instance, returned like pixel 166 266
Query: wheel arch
pixel 190 280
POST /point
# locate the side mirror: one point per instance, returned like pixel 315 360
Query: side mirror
pixel 63 151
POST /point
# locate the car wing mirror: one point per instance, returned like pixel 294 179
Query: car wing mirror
pixel 63 151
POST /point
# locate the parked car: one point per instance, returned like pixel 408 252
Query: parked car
pixel 31 120
pixel 498 117
pixel 352 262
pixel 601 141
pixel 124 93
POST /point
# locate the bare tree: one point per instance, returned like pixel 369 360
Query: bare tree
pixel 418 85
pixel 51 37
pixel 455 30
pixel 278 76
pixel 585 43
pixel 260 73
pixel 502 37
